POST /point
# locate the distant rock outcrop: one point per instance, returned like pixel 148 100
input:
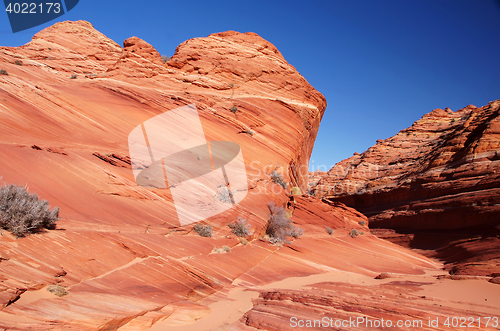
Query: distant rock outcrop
pixel 438 181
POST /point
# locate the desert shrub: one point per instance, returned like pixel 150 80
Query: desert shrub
pixel 73 77
pixel 165 58
pixel 362 223
pixel 203 230
pixel 19 63
pixel 3 72
pixel 58 290
pixel 280 226
pixel 278 179
pixel 234 109
pixel 354 233
pixel 223 249
pixel 329 230
pixel 276 241
pixel 223 194
pixel 296 232
pixel 240 227
pixel 22 213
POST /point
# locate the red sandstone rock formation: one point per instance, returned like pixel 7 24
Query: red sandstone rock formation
pixel 379 306
pixel 438 180
pixel 118 249
pixel 314 178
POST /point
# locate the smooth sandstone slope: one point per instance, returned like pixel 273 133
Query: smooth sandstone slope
pixel 118 249
pixel 436 183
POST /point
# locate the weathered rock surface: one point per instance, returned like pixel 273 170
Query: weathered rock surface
pixel 392 303
pixel 119 250
pixel 314 178
pixel 438 180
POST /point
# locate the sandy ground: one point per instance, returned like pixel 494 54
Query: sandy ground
pixel 221 313
pixel 26 298
pixel 32 296
pixel 471 294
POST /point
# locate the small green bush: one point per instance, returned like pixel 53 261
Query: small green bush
pixel 240 227
pixel 203 230
pixel 22 213
pixel 329 230
pixel 73 77
pixel 19 63
pixel 362 223
pixel 3 72
pixel 278 179
pixel 354 233
pixel 234 109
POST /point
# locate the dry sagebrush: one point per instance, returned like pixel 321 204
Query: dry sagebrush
pixel 23 213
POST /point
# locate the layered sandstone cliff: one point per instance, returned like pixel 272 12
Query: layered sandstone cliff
pixel 437 181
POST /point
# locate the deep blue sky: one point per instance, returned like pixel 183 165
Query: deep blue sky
pixel 380 64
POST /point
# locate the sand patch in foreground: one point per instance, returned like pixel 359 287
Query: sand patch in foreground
pixel 239 301
pixel 466 295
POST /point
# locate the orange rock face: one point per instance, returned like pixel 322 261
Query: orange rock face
pixel 391 303
pixel 118 249
pixel 438 180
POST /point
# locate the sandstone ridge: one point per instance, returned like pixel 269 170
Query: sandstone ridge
pixel 437 183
